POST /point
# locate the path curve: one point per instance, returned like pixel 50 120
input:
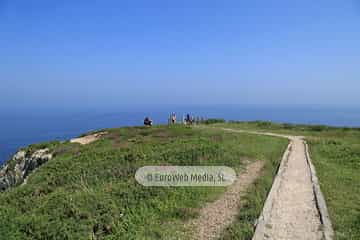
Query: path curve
pixel 294 208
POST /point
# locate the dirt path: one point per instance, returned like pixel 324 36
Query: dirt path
pixel 215 216
pixel 88 138
pixel 290 211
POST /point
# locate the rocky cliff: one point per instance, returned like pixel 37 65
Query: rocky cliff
pixel 15 171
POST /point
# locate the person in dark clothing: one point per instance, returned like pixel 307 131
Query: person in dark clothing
pixel 188 119
pixel 147 121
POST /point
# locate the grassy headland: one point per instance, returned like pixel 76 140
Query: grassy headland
pixel 89 191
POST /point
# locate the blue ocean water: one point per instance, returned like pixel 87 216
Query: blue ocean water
pixel 18 129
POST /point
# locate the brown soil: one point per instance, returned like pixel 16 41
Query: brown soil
pixel 88 138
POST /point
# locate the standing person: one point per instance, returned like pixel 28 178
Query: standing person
pixel 173 118
pixel 188 118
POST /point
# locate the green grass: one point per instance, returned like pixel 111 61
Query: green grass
pixel 250 210
pixel 293 129
pixel 337 162
pixel 335 152
pixel 89 191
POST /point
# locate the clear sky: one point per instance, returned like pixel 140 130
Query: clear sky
pixel 108 53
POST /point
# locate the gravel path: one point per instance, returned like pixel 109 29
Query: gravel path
pixel 293 214
pixel 292 208
pixel 215 216
pixel 290 211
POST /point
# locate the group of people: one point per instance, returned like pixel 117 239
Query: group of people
pixel 187 120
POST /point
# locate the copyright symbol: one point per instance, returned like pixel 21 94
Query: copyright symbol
pixel 149 177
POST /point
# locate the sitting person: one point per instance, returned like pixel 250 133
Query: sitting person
pixel 147 121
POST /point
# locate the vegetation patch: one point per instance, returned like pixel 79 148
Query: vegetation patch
pixel 89 191
pixel 338 164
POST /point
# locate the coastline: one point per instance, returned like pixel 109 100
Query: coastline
pixel 20 128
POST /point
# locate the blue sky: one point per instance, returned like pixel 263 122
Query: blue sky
pixel 104 54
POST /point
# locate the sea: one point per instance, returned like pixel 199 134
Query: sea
pixel 21 128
